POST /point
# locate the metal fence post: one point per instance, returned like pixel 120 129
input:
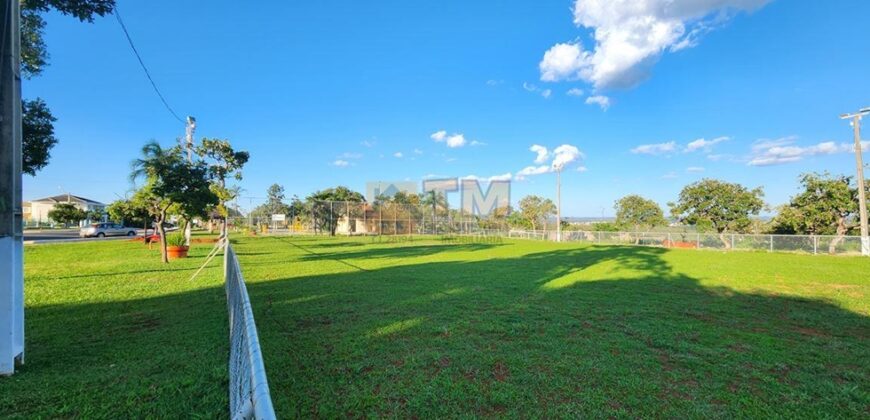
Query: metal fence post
pixel 732 241
pixel 698 240
pixel 771 243
pixel 815 245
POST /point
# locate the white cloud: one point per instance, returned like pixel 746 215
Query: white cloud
pixel 456 140
pixel 453 141
pixel 694 169
pixel 368 143
pixel 543 153
pixel 532 170
pixel 477 143
pixel 340 163
pixel 350 155
pixel 546 93
pixel 600 100
pixel 670 175
pixel 502 177
pixel 564 61
pixel 439 136
pixel 561 156
pixel 766 152
pixel 574 92
pixel 493 82
pixel 418 152
pixel 705 145
pixel 582 168
pixel 564 155
pixel 398 155
pixel 630 36
pixel 655 149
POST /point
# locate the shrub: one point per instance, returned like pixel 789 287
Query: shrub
pixel 175 239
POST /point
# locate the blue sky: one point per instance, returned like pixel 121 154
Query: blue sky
pixel 327 93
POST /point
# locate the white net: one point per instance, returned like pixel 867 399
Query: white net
pixel 249 390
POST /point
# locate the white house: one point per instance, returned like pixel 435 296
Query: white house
pixel 36 211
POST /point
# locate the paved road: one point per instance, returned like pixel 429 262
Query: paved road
pixel 36 236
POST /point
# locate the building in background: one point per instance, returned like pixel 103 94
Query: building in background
pixel 36 211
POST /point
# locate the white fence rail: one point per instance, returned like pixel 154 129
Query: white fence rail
pixel 811 244
pixel 249 389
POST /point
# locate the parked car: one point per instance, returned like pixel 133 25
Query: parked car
pixel 100 230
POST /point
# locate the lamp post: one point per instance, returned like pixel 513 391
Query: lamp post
pixel 862 195
pixel 559 203
pixel 190 129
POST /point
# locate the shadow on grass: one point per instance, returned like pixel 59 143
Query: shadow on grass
pixel 596 331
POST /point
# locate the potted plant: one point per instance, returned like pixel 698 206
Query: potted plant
pixel 175 247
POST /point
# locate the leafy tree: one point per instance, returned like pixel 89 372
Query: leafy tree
pixel 828 205
pixel 536 210
pixel 516 221
pixel 605 227
pixel 223 162
pixel 172 182
pixel 634 211
pixel 434 200
pixel 274 203
pixel 37 129
pixel 328 219
pixel 719 206
pixel 37 121
pixel 95 215
pixel 66 214
pixel 130 212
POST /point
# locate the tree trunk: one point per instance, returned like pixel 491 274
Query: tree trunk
pixel 841 233
pixel 162 232
pixel 724 240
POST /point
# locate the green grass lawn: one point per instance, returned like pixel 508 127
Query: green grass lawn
pixel 113 333
pixel 353 328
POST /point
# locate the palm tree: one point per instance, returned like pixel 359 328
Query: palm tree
pixel 156 166
pixel 435 199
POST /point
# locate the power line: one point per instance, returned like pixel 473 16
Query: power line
pixel 147 73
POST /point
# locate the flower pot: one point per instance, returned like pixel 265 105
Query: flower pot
pixel 678 244
pixel 175 252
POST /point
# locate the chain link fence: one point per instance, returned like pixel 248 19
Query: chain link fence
pixel 341 218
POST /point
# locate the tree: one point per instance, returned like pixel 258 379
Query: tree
pixel 37 132
pixel 536 210
pixel 340 196
pixel 274 203
pixel 719 206
pixel 634 211
pixel 828 205
pixel 224 162
pixel 434 199
pixel 172 182
pixel 516 221
pixel 37 121
pixel 66 214
pixel 130 212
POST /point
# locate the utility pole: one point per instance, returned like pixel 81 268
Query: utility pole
pixel 559 204
pixel 11 234
pixel 190 129
pixel 862 192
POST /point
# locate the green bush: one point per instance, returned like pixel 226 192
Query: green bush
pixel 175 239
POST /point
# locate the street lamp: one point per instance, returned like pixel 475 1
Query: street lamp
pixel 862 197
